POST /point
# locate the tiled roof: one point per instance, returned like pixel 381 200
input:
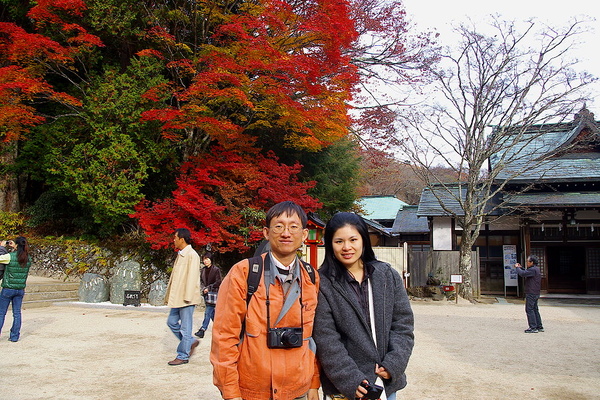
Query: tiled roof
pixel 378 227
pixel 555 199
pixel 407 221
pixel 381 207
pixel 528 160
pixel 447 202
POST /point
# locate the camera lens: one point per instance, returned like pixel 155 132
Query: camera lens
pixel 290 338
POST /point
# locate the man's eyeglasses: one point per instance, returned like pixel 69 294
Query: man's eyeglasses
pixel 293 229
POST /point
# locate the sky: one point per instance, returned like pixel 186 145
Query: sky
pixel 439 14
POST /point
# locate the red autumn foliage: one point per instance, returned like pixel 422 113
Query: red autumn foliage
pixel 213 194
pixel 278 64
pixel 27 57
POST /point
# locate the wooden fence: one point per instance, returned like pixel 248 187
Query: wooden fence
pixel 440 264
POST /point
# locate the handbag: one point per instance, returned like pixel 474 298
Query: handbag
pixel 211 298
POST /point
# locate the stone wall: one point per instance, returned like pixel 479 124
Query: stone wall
pixel 122 268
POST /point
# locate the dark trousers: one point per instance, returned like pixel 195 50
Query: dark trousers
pixel 533 313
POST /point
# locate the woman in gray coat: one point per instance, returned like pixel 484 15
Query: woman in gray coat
pixel 363 323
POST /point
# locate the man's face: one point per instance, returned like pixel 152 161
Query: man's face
pixel 179 242
pixel 285 235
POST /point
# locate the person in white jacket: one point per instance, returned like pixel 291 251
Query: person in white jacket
pixel 183 294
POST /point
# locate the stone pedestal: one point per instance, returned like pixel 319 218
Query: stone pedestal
pixel 93 288
pixel 158 290
pixel 127 276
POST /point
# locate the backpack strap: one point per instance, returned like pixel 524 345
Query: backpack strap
pixel 310 270
pixel 255 268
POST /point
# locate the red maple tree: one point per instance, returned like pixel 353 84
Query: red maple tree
pixel 26 59
pixel 215 195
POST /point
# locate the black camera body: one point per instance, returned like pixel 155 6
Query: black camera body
pixel 284 338
pixel 373 391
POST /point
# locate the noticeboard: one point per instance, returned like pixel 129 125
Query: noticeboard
pixel 510 258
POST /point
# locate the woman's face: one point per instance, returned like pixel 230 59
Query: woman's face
pixel 348 246
pixel 207 262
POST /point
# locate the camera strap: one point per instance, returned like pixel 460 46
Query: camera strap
pixel 295 292
pixel 378 381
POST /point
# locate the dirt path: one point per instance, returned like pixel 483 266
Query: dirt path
pixel 462 351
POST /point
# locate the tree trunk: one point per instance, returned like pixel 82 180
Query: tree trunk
pixel 465 268
pixel 9 184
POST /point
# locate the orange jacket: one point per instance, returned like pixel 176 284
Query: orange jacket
pixel 248 368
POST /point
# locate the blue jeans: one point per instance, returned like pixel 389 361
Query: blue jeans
pixel 390 397
pixel 533 313
pixel 181 321
pixel 16 297
pixel 209 314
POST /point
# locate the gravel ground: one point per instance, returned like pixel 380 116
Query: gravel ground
pixel 462 351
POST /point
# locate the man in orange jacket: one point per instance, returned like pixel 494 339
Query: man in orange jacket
pixel 264 349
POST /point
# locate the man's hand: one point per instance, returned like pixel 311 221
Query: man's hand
pixel 313 394
pixel 517 265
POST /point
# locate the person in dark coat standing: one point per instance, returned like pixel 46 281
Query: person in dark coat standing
pixel 364 323
pixel 533 286
pixel 210 279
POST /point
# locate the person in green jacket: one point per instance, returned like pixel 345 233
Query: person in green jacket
pixel 13 284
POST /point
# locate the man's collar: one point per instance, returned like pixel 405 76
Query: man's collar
pixel 275 263
pixel 185 250
pixel 279 264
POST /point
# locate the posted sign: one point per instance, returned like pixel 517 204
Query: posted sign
pixel 510 258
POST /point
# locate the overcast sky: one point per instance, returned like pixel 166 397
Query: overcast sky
pixel 440 14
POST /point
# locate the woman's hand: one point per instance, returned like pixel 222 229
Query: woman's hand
pixel 382 372
pixel 361 391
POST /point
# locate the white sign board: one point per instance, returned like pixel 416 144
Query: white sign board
pixel 510 258
pixel 456 279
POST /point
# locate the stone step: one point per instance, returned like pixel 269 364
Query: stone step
pixel 46 303
pixel 44 292
pixel 49 295
pixel 52 286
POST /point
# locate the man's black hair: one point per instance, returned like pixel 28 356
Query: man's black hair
pixel 533 259
pixel 289 208
pixel 184 234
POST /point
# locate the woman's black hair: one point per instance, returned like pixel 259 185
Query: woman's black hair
pixel 22 250
pixel 331 266
pixel 208 255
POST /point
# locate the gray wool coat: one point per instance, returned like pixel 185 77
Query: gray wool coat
pixel 345 347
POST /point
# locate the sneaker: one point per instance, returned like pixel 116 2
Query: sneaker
pixel 540 329
pixel 531 330
pixel 200 333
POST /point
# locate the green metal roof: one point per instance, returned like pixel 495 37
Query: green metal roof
pixel 381 207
